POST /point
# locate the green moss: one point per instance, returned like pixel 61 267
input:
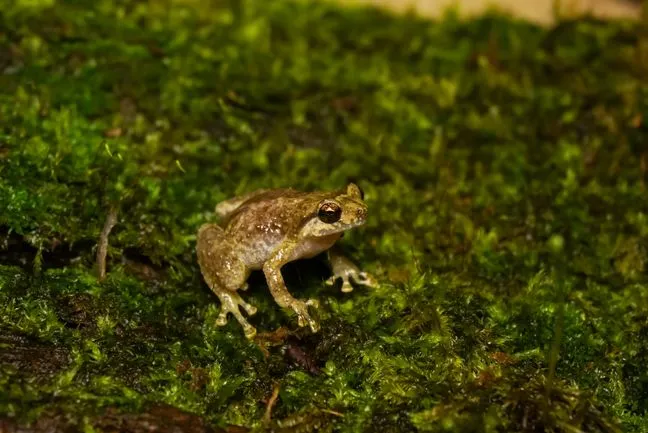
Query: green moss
pixel 505 170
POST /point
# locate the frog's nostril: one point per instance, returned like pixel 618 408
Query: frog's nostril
pixel 361 213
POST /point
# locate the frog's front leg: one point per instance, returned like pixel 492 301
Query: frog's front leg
pixel 345 269
pixel 272 271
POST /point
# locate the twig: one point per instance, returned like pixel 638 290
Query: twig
pixel 271 402
pixel 102 247
pixel 38 260
pixel 332 412
pixel 554 351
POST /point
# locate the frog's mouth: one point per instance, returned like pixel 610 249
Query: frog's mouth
pixel 341 227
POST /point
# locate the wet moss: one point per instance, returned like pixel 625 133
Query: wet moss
pixel 505 170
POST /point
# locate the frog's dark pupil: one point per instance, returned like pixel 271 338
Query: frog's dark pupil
pixel 329 213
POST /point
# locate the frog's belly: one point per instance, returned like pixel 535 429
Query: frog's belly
pixel 258 253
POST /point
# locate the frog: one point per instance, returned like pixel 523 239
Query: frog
pixel 268 228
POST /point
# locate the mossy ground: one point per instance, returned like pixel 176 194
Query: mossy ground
pixel 504 167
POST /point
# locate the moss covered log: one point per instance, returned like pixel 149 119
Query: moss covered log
pixel 504 166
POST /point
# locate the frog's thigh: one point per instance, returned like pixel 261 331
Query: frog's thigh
pixel 226 207
pixel 219 263
pixel 224 272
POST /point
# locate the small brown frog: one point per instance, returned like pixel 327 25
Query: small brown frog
pixel 267 229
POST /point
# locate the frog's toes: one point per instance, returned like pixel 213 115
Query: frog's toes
pixel 303 317
pixel 250 332
pixel 231 303
pixel 314 326
pixel 346 285
pixel 222 318
pixel 331 281
pixel 250 309
pixel 348 276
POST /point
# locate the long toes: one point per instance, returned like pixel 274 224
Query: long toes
pixel 222 319
pixel 306 319
pixel 232 303
pixel 331 281
pixel 250 309
pixel 250 331
pixel 247 328
pixel 303 317
pixel 314 326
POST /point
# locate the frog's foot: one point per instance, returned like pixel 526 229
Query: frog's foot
pixel 303 317
pixel 231 303
pixel 352 275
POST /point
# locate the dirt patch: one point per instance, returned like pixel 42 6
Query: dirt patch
pixel 40 361
pixel 157 418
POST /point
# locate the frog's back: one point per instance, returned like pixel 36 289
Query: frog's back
pixel 262 222
pixel 228 209
pixel 283 203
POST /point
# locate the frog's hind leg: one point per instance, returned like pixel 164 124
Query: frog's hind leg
pixel 224 273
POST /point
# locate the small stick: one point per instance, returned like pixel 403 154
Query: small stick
pixel 332 412
pixel 270 405
pixel 102 247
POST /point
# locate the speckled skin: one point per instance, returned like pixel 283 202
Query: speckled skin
pixel 269 228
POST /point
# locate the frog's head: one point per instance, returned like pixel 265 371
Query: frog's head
pixel 342 211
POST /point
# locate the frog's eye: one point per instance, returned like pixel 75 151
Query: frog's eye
pixel 329 213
